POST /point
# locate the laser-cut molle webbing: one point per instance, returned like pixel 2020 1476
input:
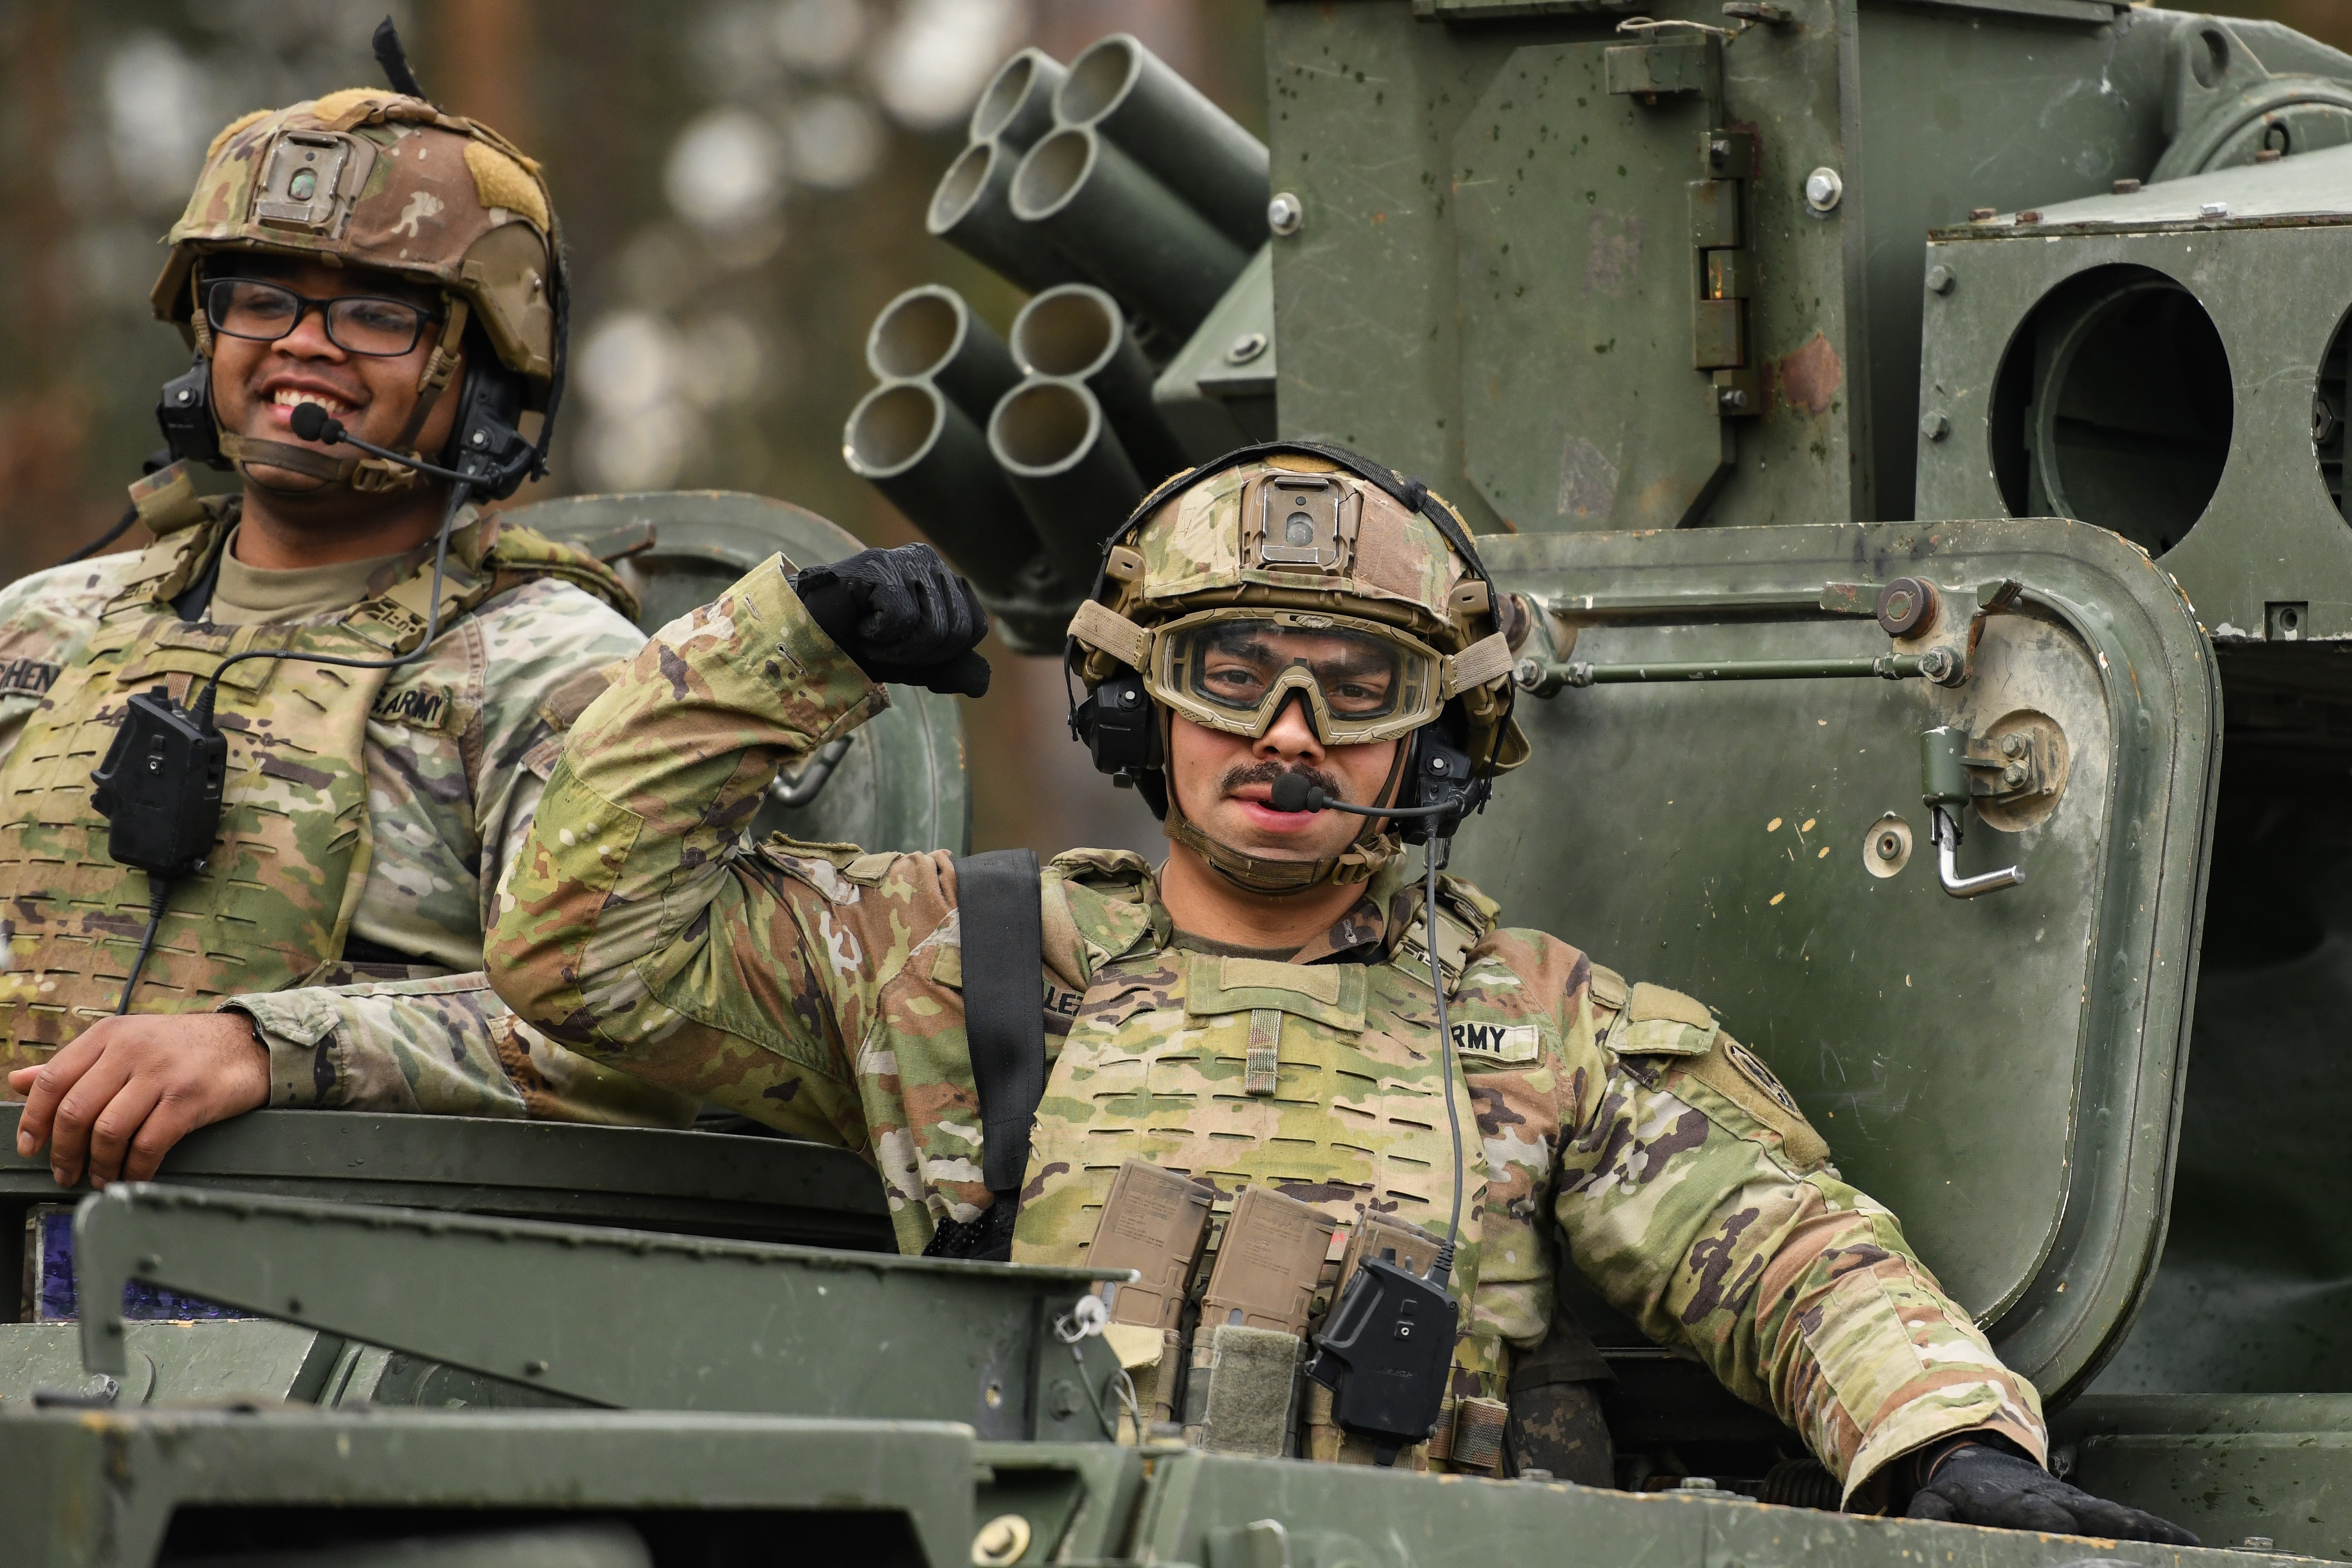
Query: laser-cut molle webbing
pixel 273 904
pixel 1156 1067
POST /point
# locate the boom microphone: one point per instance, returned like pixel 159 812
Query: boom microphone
pixel 1291 791
pixel 312 423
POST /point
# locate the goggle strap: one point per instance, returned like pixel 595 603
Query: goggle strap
pixel 1103 629
pixel 1483 663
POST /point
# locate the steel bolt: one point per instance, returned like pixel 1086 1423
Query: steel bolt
pixel 1245 348
pixel 2031 214
pixel 2012 745
pixel 1001 1540
pixel 2014 774
pixel 2214 209
pixel 1981 215
pixel 1285 213
pixel 1940 280
pixel 1890 847
pixel 1824 188
pixel 1942 666
pixel 1935 427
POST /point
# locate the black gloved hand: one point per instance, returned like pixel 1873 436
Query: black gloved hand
pixel 1974 1483
pixel 902 616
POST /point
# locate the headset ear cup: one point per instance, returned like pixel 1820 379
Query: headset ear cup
pixel 184 411
pixel 1120 725
pixel 484 441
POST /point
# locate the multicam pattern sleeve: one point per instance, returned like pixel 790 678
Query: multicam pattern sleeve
pixel 1698 1201
pixel 637 926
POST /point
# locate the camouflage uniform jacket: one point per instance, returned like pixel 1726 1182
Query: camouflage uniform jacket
pixel 816 989
pixel 459 746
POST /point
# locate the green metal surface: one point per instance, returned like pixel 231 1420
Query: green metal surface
pixel 2271 533
pixel 124 1487
pixel 2004 1073
pixel 766 1189
pixel 1493 283
pixel 1217 391
pixel 116 1487
pixel 626 1318
pixel 901 785
pixel 2272 1464
pixel 1202 1508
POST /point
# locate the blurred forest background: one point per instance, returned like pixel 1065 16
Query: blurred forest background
pixel 741 184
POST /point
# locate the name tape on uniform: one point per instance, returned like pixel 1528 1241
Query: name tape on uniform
pixel 1502 1042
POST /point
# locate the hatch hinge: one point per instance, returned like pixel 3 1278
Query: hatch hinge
pixel 1724 269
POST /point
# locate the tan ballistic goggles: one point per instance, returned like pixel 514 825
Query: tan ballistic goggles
pixel 1232 669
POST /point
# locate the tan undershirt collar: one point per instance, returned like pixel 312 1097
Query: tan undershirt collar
pixel 246 595
pixel 1186 941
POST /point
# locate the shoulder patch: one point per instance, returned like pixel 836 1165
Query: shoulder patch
pixel 1738 1074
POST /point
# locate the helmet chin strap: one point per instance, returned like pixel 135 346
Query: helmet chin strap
pixel 1362 860
pixel 366 474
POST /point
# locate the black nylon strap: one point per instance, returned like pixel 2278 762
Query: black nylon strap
pixel 1003 1017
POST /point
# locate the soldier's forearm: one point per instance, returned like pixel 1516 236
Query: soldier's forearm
pixel 710 709
pixel 376 1048
pixel 1799 1291
pixel 637 831
pixel 445 1047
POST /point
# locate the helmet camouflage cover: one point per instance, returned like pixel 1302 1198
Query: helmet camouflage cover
pixel 1296 531
pixel 369 177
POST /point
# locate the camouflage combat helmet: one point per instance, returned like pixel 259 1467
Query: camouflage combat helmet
pixel 373 177
pixel 1307 539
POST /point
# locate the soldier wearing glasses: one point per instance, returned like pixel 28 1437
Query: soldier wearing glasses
pixel 398 266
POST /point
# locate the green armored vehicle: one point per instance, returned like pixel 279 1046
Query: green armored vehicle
pixel 1910 428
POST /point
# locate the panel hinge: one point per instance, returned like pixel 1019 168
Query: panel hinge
pixel 1724 272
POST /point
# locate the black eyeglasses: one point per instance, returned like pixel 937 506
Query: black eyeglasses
pixel 356 323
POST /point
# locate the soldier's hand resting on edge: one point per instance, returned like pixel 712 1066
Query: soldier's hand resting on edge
pixel 115 1100
pixel 902 616
pixel 1977 1478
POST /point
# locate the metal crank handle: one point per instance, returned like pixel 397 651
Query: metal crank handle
pixel 1946 830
